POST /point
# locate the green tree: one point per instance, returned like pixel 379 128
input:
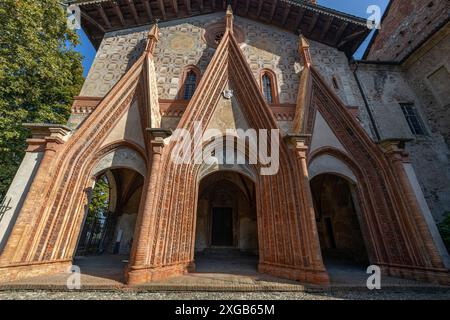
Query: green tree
pixel 99 205
pixel 444 229
pixel 40 73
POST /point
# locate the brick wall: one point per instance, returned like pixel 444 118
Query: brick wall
pixel 405 26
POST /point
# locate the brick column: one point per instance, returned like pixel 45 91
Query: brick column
pixel 138 266
pixel 395 151
pixel 311 245
pixel 47 139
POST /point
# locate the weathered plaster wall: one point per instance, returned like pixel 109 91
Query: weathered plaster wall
pixel 116 54
pixel 17 192
pixel 129 128
pixel 428 74
pixel 182 43
pixel 126 223
pixel 387 86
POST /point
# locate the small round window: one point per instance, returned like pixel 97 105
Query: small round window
pixel 218 37
pixel 214 33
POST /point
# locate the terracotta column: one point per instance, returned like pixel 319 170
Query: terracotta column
pixel 48 139
pixel 299 146
pixel 424 251
pixel 138 266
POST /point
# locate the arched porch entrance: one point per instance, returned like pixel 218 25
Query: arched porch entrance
pixel 109 224
pixel 338 220
pixel 226 228
pixel 108 228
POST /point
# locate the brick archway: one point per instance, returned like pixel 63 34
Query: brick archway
pixel 339 217
pixel 106 231
pixel 227 190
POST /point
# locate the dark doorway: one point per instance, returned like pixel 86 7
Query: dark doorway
pixel 226 228
pixel 338 224
pixel 222 227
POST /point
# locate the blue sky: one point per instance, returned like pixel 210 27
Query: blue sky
pixel 354 7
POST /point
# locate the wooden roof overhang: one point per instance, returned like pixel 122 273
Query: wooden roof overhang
pixel 318 23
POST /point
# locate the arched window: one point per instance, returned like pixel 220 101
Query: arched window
pixel 190 83
pixel 335 83
pixel 269 86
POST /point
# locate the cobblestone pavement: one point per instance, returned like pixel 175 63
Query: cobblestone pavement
pixel 123 295
pixel 220 278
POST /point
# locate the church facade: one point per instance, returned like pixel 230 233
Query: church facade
pixel 362 169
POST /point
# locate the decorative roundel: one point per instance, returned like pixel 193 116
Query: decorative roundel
pixel 214 33
pixel 181 42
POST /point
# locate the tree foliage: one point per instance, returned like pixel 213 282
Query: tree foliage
pixel 444 229
pixel 40 72
pixel 99 205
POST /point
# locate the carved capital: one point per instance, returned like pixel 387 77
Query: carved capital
pixel 298 143
pixel 157 137
pixel 35 145
pixel 46 136
pixel 53 143
pixel 395 149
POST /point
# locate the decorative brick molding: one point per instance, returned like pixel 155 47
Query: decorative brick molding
pixel 172 108
pixel 50 221
pixel 274 84
pixel 83 105
pixel 287 232
pixel 354 110
pixel 283 112
pixel 28 270
pixel 176 108
pixel 46 232
pixel 397 236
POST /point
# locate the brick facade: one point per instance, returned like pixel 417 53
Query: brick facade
pixel 405 26
pixel 138 73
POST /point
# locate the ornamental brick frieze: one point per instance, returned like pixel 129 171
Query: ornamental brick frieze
pixel 47 228
pixel 392 222
pixel 288 246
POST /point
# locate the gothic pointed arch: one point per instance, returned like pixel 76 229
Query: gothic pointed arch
pixel 399 239
pixel 190 79
pixel 45 235
pixel 289 245
pixel 269 86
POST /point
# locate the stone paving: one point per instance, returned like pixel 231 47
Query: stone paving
pixel 215 278
pixel 133 295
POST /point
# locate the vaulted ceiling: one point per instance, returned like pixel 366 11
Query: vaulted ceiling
pixel 318 23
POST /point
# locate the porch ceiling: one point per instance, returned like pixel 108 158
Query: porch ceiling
pixel 318 23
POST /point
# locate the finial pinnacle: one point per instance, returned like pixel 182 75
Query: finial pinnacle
pixel 153 38
pixel 229 9
pixel 229 18
pixel 303 49
pixel 303 42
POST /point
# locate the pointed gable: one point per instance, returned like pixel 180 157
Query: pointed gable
pixel 128 128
